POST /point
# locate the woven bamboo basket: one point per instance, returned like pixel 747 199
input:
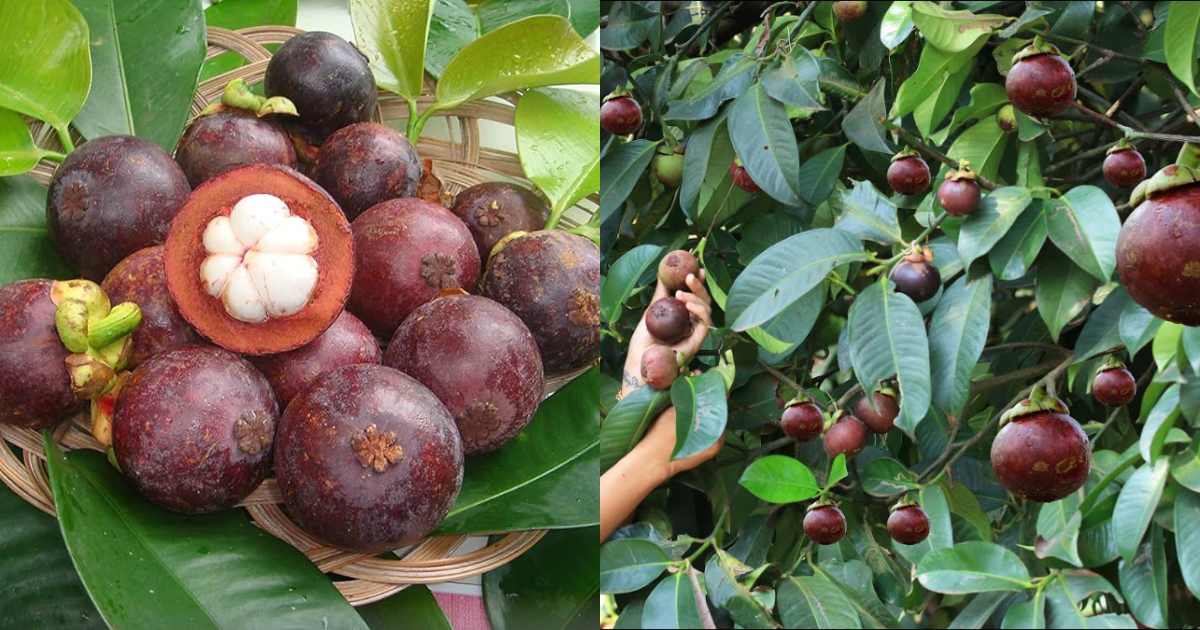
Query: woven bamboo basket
pixel 459 162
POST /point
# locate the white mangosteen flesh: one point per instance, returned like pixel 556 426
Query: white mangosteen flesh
pixel 259 260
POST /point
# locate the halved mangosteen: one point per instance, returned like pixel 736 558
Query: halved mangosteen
pixel 260 260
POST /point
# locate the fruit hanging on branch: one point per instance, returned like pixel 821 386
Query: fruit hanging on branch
pixel 1041 453
pixel 1124 166
pixel 620 115
pixel 669 320
pixel 846 435
pixel 959 194
pixel 916 276
pixel 802 420
pixel 1006 117
pixel 907 524
pixel 1040 83
pixel 1114 385
pixel 668 165
pixel 908 174
pixel 880 417
pixel 741 177
pixel 824 523
pixel 849 11
pixel 660 366
pixel 674 268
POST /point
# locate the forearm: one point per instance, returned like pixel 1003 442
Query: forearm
pixel 624 486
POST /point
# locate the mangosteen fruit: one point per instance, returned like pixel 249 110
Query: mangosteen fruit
pixel 142 279
pixel 1041 453
pixel 669 320
pixel 260 260
pixel 668 165
pixel 493 210
pixel 1124 166
pixel 551 280
pixel 916 277
pixel 193 429
pixel 226 139
pixel 368 459
pixel 479 359
pixel 824 524
pixel 1007 118
pixel 849 11
pixel 802 421
pixel 660 366
pixel 674 268
pixel 741 177
pixel 908 524
pixel 908 174
pixel 111 197
pixel 882 417
pixel 1040 83
pixel 366 163
pixel 620 115
pixel 347 342
pixel 959 194
pixel 328 80
pixel 1157 247
pixel 408 250
pixel 848 435
pixel 1114 385
pixel 35 387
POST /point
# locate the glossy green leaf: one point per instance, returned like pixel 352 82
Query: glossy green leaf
pixel 622 166
pixel 1183 24
pixel 964 504
pixel 48 68
pixel 392 35
pixel 1136 504
pixel 864 212
pixel 1144 582
pixel 986 98
pixel 1102 329
pixel 1187 538
pixel 837 471
pixel 934 109
pixel 819 173
pixel 1137 327
pixel 1083 224
pixel 887 337
pixel 1190 341
pixel 957 335
pixel 553 585
pixel 1166 344
pixel 790 328
pixel 779 479
pixel 1058 530
pixel 18 154
pixel 941 532
pixel 931 71
pixel 1062 292
pixel 1065 593
pixel 785 272
pixel 884 476
pixel 628 421
pixel 983 145
pixel 732 81
pixel 248 13
pixel 897 24
pixel 674 603
pixel 130 96
pixel 628 564
pixel 623 278
pixel 700 161
pixel 1027 614
pixel 794 84
pixel 972 567
pixel 556 139
pixel 997 212
pixel 725 591
pixel 414 606
pixel 864 124
pixel 453 26
pixel 700 412
pixel 1158 423
pixel 496 13
pixel 534 52
pixel 856 581
pixel 815 602
pixel 207 571
pixel 977 611
pixel 545 477
pixel 765 142
pixel 953 31
pixel 629 24
pixel 26 250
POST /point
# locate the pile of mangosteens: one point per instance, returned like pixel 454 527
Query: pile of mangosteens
pixel 331 329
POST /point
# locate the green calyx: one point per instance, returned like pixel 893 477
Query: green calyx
pixel 886 390
pixel 1170 176
pixel 98 336
pixel 121 321
pixel 905 502
pixel 962 172
pixel 906 153
pixel 1039 46
pixel 1039 400
pixel 1120 145
pixel 1113 362
pixel 237 95
pixel 89 376
pixel 1189 155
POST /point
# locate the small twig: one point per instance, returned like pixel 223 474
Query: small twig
pixel 1095 64
pixel 850 393
pixel 706 618
pixel 773 445
pixel 1129 91
pixel 1019 345
pixel 781 376
pixel 1079 42
pixel 1188 110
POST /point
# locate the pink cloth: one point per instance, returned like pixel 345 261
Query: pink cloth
pixel 465 612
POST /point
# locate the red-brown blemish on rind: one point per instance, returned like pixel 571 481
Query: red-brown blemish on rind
pixel 1041 85
pixel 493 210
pixel 215 143
pixel 35 389
pixel 322 481
pixel 347 342
pixel 185 251
pixel 1042 456
pixel 367 163
pixel 1158 241
pixel 142 279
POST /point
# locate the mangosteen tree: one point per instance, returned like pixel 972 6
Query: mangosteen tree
pixel 953 250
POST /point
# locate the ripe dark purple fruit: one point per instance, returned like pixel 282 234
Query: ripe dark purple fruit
pixel 1114 386
pixel 674 268
pixel 224 140
pixel 35 389
pixel 908 175
pixel 848 435
pixel 111 197
pixel 479 359
pixel 368 459
pixel 916 277
pixel 347 342
pixel 802 422
pixel 1042 456
pixel 824 524
pixel 493 210
pixel 621 115
pixel 328 80
pixel 908 525
pixel 1041 84
pixel 883 417
pixel 193 429
pixel 741 178
pixel 849 11
pixel 1124 168
pixel 142 279
pixel 660 366
pixel 959 197
pixel 365 164
pixel 669 320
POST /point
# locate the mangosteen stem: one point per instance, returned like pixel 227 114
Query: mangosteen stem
pixel 64 137
pixel 53 156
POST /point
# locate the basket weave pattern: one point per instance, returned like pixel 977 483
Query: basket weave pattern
pixel 459 163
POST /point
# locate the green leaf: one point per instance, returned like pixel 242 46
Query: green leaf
pixel 965 504
pixel 1027 614
pixel 496 13
pixel 48 68
pixel 1138 327
pixel 1136 504
pixel 623 278
pixel 556 140
pixel 953 31
pixel 414 606
pixel 622 166
pixel 534 52
pixel 1158 423
pixel 1083 223
pixel 1058 530
pixel 1062 292
pixel 941 532
pixel 785 272
pixel 818 174
pixel 1067 590
pixel 18 154
pixel 986 98
pixel 1166 344
pixel 453 26
pixel 884 476
pixel 700 412
pixel 130 95
pixel 887 337
pixel 814 602
pixel 795 84
pixel 972 567
pixel 628 421
pixel 1015 253
pixel 934 109
pixel 977 611
pixel 855 579
pixel 673 603
pixel 897 24
pixel 1183 23
pixel 628 564
pixel 26 250
pixel 553 585
pixel 957 335
pixel 1144 582
pixel 40 586
pixel 764 139
pixel 932 69
pixel 545 477
pixel 392 35
pixel 837 471
pixel 1101 331
pixel 864 212
pixel 235 15
pixel 864 124
pixel 735 77
pixel 779 479
pixel 982 144
pixel 1190 340
pixel 997 212
pixel 1187 538
pixel 125 548
pixel 702 158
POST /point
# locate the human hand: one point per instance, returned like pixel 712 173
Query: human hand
pixel 656 447
pixel 698 303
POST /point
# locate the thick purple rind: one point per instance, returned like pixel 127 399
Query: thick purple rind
pixel 1042 456
pixel 35 390
pixel 883 417
pixel 918 280
pixel 224 140
pixel 1158 255
pixel 347 342
pixel 1041 85
pixel 621 116
pixel 326 78
pixel 908 525
pixel 825 525
pixel 365 164
pixel 909 176
pixel 142 279
pixel 493 210
pixel 802 422
pixel 848 435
